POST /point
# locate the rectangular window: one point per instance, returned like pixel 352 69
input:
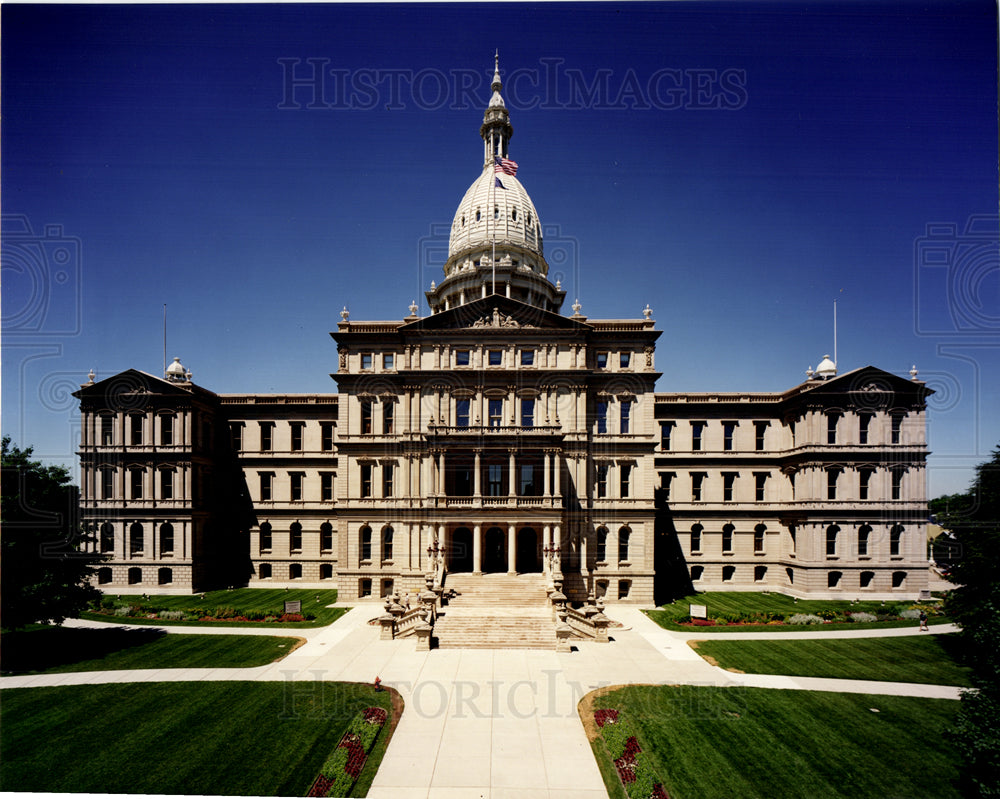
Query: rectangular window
pixel 296 485
pixel 728 482
pixel 831 428
pixel 527 413
pixel 602 480
pixel 326 487
pixel 495 357
pixel 297 436
pixel 527 357
pixel 462 412
pixel 135 423
pixel 167 539
pixel 266 539
pixel 831 540
pixel 494 479
pixel 135 476
pixel 107 483
pixel 366 361
pixel 388 417
pixel 895 541
pixel 624 359
pixel 896 430
pixel 624 479
pixel 527 487
pixel 728 430
pixel 665 479
pixel 461 358
pixel 236 435
pixel 166 483
pixel 626 413
pixel 326 436
pixel 295 538
pixel 366 417
pixel 666 428
pixel 759 429
pixel 266 436
pixel 602 416
pixel 727 538
pixel 495 408
pixel 760 485
pixel 697 481
pixel 388 361
pixel 366 479
pixel 388 474
pixel 697 430
pixel 864 533
pixel 601 361
pixel 831 484
pixel 326 537
pixel 864 477
pixel 864 422
pixel 266 486
pixel 166 430
pixel 758 539
pixel 897 483
pixel 696 538
pixel 107 431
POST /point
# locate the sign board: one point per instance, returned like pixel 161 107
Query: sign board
pixel 699 611
pixel 293 607
pixel 925 594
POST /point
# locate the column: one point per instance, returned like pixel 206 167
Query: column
pixel 511 549
pixel 583 552
pixel 557 472
pixel 546 533
pixel 441 478
pixel 557 543
pixel 477 475
pixel 548 474
pixel 512 475
pixel 477 550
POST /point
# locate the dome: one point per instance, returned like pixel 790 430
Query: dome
pixel 827 368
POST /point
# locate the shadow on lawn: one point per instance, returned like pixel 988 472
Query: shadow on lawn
pixel 34 650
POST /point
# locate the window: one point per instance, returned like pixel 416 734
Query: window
pixel 366 361
pixel 107 537
pixel 758 538
pixel 866 579
pixel 326 487
pixel 728 429
pixel 791 536
pixel 296 486
pixel 326 537
pixel 266 486
pixel 728 572
pixel 831 428
pixel 135 478
pixel 696 538
pixel 624 359
pixel 494 479
pixel 366 417
pixel 665 430
pixel 462 412
pixel 602 480
pixel 134 575
pixel 166 430
pixel 759 574
pixel 697 429
pixel 266 436
pixel 166 483
pixel 135 539
pixel 665 479
pixel 297 436
pixel 365 584
pixel 727 538
pixel 495 357
pixel 697 572
pixel 896 429
pixel 602 416
pixel 833 579
pixel 896 541
pixel 528 475
pixel 864 535
pixel 388 474
pixel 107 482
pixel 623 588
pixel 897 483
pixel 790 572
pixel 728 482
pixel 527 357
pixel 236 435
pixel 759 428
pixel 831 483
pixel 697 479
pixel 326 571
pixel 264 571
pixel 387 543
pixel 388 361
pixel 167 538
pixel 602 360
pixel 265 537
pixel 864 477
pixel 602 544
pixel 626 412
pixel 831 540
pixel 495 408
pixel 760 486
pixel 366 543
pixel 104 575
pixel 624 479
pixel 864 421
pixel 326 436
pixel 527 413
pixel 366 479
pixel 295 537
pixel 461 358
pixel 295 571
pixel 388 417
pixel 135 425
pixel 107 431
pixel 899 579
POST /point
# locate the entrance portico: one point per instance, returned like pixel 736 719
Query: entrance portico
pixel 491 548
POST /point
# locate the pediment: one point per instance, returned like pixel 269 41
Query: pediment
pixel 126 388
pixel 870 386
pixel 497 314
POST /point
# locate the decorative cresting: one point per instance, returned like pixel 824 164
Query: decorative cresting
pixel 496 237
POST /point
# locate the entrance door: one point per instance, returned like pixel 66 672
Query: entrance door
pixel 460 551
pixel 529 559
pixel 494 551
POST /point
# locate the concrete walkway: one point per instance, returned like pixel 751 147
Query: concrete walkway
pixel 494 723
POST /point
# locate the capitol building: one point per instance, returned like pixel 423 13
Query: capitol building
pixel 506 434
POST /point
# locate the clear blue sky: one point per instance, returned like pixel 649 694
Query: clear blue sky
pixel 737 166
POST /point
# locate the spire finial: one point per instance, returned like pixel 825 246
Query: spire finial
pixel 497 84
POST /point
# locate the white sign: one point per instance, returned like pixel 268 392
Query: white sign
pixel 699 611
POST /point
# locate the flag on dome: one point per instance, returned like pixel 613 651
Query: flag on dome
pixel 504 165
pixel 498 185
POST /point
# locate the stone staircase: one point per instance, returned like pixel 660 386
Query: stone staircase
pixel 496 611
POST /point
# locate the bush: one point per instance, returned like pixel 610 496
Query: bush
pixel 805 618
pixel 171 615
pixel 909 614
pixel 124 610
pixel 862 616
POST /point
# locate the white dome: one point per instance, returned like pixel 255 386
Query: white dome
pixel 489 214
pixel 827 368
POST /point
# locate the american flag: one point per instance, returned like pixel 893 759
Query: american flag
pixel 504 165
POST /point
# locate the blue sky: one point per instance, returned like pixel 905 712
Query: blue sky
pixel 738 166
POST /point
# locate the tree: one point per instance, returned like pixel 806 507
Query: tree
pixel 975 606
pixel 44 572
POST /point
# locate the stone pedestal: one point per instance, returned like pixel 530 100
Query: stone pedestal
pixel 563 634
pixel 601 623
pixel 423 632
pixel 387 623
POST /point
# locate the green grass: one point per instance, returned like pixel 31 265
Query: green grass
pixel 924 659
pixel 747 603
pixel 51 650
pixel 709 742
pixel 266 600
pixel 226 738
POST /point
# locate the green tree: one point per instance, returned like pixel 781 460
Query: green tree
pixel 44 572
pixel 975 606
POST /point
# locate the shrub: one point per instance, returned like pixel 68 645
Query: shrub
pixel 805 618
pixel 124 610
pixel 909 614
pixel 172 615
pixel 863 616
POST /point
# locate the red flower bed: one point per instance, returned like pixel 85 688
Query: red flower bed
pixel 375 715
pixel 320 786
pixel 356 759
pixel 659 792
pixel 605 716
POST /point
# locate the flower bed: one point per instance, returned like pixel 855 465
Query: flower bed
pixel 151 611
pixel 633 767
pixel 343 767
pixel 887 612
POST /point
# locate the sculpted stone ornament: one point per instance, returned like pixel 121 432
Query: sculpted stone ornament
pixel 498 320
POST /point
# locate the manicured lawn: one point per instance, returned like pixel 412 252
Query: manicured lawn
pixel 926 659
pixel 241 600
pixel 722 604
pixel 252 739
pixel 710 742
pixel 64 649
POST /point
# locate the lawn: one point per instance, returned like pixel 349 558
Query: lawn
pixel 925 659
pixel 223 738
pixel 733 605
pixel 707 742
pixel 63 649
pixel 237 602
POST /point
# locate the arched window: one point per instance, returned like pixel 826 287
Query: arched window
pixel 833 579
pixel 166 538
pixel 831 540
pixel 623 536
pixel 899 579
pixel 164 575
pixel 696 537
pixel 104 575
pixel 697 572
pixel 366 544
pixel 107 430
pixel 896 540
pixel 166 429
pixel 295 537
pixel 135 539
pixel 264 571
pixel 866 579
pixel 135 422
pixel 759 574
pixel 387 543
pixel 295 571
pixel 602 544
pixel 107 537
pixel 728 572
pixel 326 537
pixel 326 571
pixel 134 575
pixel 758 537
pixel 727 538
pixel 864 536
pixel 265 537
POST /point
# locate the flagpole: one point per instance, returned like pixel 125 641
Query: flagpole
pixel 493 256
